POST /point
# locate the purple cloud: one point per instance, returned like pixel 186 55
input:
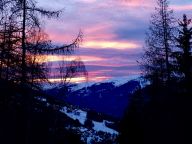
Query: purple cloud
pixel 106 26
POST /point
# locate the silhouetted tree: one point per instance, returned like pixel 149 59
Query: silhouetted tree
pixel 71 69
pixel 89 123
pixel 156 59
pixel 24 18
pixel 22 42
pixel 37 71
pixel 183 55
pixel 27 12
pixel 9 53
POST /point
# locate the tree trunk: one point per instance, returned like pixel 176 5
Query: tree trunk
pixel 23 44
pixel 166 45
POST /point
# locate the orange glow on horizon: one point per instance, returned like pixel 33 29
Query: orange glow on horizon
pixel 81 79
pixel 72 80
pixel 54 58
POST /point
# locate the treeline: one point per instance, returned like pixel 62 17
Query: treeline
pixel 168 57
pixel 160 113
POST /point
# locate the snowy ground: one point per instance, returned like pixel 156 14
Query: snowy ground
pixel 100 133
pixel 75 114
pixel 82 116
pixel 100 126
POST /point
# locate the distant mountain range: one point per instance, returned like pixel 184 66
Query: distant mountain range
pixel 111 98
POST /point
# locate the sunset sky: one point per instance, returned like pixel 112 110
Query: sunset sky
pixel 114 32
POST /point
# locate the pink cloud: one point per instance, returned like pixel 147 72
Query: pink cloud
pixel 181 7
pixel 136 3
pixel 120 45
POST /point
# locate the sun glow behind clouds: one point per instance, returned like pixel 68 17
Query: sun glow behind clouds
pixel 56 58
pixel 80 79
pixel 110 44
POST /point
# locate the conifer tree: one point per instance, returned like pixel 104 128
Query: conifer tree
pixel 156 59
pixel 183 56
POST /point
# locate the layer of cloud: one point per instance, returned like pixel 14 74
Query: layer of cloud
pixel 114 31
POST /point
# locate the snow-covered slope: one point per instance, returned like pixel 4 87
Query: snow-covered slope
pixel 100 126
pixel 117 81
pixel 98 133
pixel 77 114
pixel 110 97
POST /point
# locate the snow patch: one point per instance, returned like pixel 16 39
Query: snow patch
pixel 42 99
pixel 143 82
pixel 122 80
pixel 100 126
pixel 82 129
pixel 75 114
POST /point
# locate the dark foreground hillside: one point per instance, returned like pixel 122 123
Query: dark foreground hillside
pixel 162 116
pixel 24 124
pixel 32 117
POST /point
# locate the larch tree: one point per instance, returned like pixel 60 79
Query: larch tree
pixel 26 17
pixel 156 63
pixel 28 13
pixel 21 41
